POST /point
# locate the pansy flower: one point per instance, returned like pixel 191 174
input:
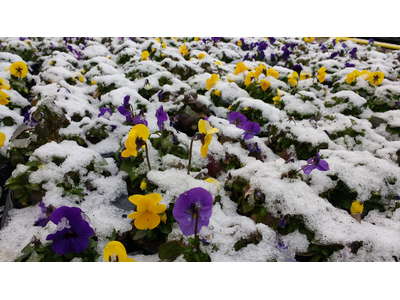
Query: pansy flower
pixel 124 109
pixel 29 119
pixel 212 81
pixel 183 50
pixel 240 67
pixel 349 65
pixel 272 72
pixel 249 78
pixel 215 39
pixel 356 207
pixel 105 112
pixel 264 84
pixel 73 231
pixel 161 117
pixel 366 74
pixel 259 70
pixel 352 53
pixel 4 84
pixel 315 163
pixel 305 75
pixel 45 216
pixel 297 68
pixel 333 55
pixel 250 129
pixel 376 77
pixel 277 98
pixel 206 131
pixel 148 210
pixel 271 40
pixel 321 74
pixel 191 207
pixel 292 78
pixel 19 69
pixel 253 147
pixel 4 98
pixel 2 139
pixel 116 252
pixel 351 77
pixel 136 139
pixel 201 56
pixel 140 118
pixel 145 55
pixel 237 118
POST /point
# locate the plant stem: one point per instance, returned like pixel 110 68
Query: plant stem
pixel 190 154
pixel 195 226
pixel 147 156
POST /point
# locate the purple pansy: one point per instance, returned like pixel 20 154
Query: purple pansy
pixel 333 55
pixel 286 53
pixel 45 216
pixel 73 232
pixel 140 119
pixel 237 118
pixel 349 65
pixel 352 53
pixel 161 117
pixel 334 42
pixel 160 95
pixel 297 68
pixel 250 129
pixel 271 40
pixel 29 119
pixel 371 41
pixel 124 109
pixel 344 45
pixel 191 205
pixel 253 148
pixel 105 112
pixel 323 48
pixel 215 39
pixel 315 163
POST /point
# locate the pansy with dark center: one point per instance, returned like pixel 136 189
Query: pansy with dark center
pixel 104 112
pixel 315 163
pixel 333 55
pixel 323 48
pixel 297 68
pixel 253 148
pixel 140 119
pixel 250 129
pixel 73 231
pixel 271 40
pixel 237 118
pixel 215 39
pixel 191 207
pixel 45 216
pixel 161 117
pixel 352 53
pixel 371 41
pixel 286 54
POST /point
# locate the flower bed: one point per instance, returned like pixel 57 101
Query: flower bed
pixel 199 149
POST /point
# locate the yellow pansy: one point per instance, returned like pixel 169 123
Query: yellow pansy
pixel 143 185
pixel 365 74
pixel 116 252
pixel 183 50
pixel 352 76
pixel 206 131
pixel 264 84
pixel 51 63
pixel 162 55
pixel 259 70
pixel 136 139
pixel 218 62
pixel 80 77
pixel 230 77
pixel 239 43
pixel 376 78
pixel 164 45
pixel 93 82
pixel 4 84
pixel 83 71
pixel 277 98
pixel 214 182
pixel 240 67
pixel 109 56
pixel 305 75
pixel 19 69
pixel 147 210
pixel 308 39
pixel 196 39
pixel 249 78
pixel 145 55
pixel 212 81
pixel 4 98
pixel 158 40
pixel 2 139
pixel 272 72
pixel 321 74
pixel 201 56
pixel 292 78
pixel 153 50
pixel 356 208
pixel 217 93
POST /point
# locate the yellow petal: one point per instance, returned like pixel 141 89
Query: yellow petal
pixel 204 150
pixel 2 139
pixel 115 251
pixel 136 199
pixel 202 126
pixel 356 207
pixel 147 220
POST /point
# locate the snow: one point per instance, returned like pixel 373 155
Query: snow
pixel 366 163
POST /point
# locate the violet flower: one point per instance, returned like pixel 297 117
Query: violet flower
pixel 297 68
pixel 124 109
pixel 29 119
pixel 333 55
pixel 195 204
pixel 160 95
pixel 250 129
pixel 253 148
pixel 323 48
pixel 215 39
pixel 73 232
pixel 371 41
pixel 286 54
pixel 353 53
pixel 161 117
pixel 315 163
pixel 237 118
pixel 105 112
pixel 140 119
pixel 348 65
pixel 271 40
pixel 334 42
pixel 45 216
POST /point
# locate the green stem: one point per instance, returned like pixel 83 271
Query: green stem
pixel 147 156
pixel 190 154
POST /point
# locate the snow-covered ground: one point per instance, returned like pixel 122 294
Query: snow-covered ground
pixel 356 132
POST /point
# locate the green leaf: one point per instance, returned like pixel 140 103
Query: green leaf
pixel 139 234
pixel 170 250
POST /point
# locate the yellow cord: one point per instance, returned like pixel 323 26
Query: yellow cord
pixel 361 41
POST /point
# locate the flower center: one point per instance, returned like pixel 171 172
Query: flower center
pixel 139 143
pixel 113 257
pixel 376 78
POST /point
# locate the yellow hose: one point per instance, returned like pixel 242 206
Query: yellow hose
pixel 360 41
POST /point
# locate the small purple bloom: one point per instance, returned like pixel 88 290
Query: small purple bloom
pixel 73 232
pixel 70 48
pixel 371 41
pixel 344 45
pixel 237 118
pixel 272 56
pixel 262 46
pixel 140 119
pixel 250 129
pixel 323 48
pixel 124 109
pixel 45 216
pixel 398 103
pixel 271 40
pixel 160 95
pixel 297 68
pixel 113 127
pixel 333 55
pixel 286 53
pixel 348 65
pixel 29 119
pixel 191 205
pixel 315 163
pixel 78 54
pixel 161 117
pixel 262 55
pixel 334 42
pixel 246 57
pixel 104 112
pixel 215 39
pixel 353 53
pixel 253 148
